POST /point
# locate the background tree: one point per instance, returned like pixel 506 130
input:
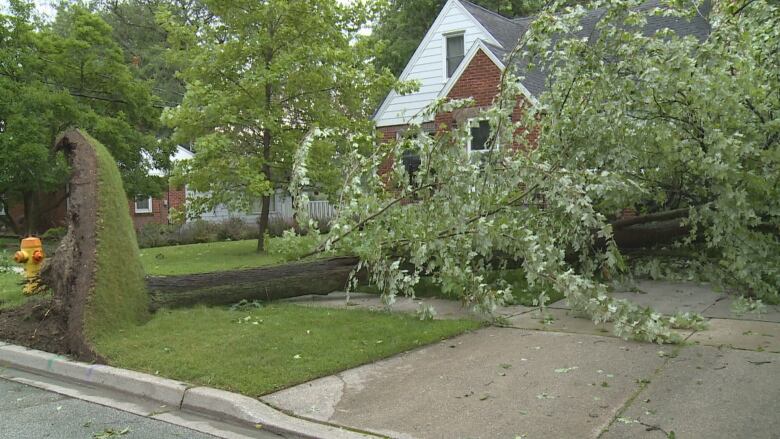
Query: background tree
pixel 144 40
pixel 259 77
pixel 67 73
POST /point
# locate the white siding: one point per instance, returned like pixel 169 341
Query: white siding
pixel 427 65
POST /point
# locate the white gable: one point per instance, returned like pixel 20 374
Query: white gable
pixel 427 65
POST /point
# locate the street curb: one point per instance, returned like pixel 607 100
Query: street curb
pixel 167 391
pixel 206 400
pixel 246 409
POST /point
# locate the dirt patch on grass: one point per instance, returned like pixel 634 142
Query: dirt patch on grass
pixel 36 324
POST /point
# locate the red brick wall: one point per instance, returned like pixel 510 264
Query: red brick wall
pixel 174 198
pixel 479 81
pixel 388 134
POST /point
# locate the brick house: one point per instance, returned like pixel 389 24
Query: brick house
pixel 151 210
pixel 463 55
pixel 144 210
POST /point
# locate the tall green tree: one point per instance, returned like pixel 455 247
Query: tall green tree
pixel 259 77
pixel 144 40
pixel 67 73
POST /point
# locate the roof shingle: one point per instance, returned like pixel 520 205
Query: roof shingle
pixel 508 31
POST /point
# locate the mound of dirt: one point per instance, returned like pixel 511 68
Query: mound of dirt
pixel 37 324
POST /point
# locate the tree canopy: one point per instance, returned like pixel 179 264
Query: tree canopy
pixel 259 77
pixel 66 73
pixel 684 130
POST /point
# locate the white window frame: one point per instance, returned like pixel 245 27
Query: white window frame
pixel 149 210
pixel 471 123
pixel 444 37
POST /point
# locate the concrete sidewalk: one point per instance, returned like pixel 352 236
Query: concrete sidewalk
pixel 566 378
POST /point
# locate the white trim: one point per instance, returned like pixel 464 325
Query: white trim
pixel 444 46
pixel 468 143
pixel 149 210
pixel 491 39
pixel 421 48
pixel 467 58
pixel 475 48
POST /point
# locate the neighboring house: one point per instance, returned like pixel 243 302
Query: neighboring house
pixel 150 210
pixel 463 55
pixel 281 209
pixel 156 210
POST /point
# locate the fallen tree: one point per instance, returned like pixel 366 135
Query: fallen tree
pixel 264 283
pixel 683 128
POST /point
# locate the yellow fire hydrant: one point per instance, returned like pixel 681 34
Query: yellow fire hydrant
pixel 31 255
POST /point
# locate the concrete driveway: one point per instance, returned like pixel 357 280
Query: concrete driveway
pixel 566 378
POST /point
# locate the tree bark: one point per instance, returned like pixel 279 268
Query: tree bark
pixel 29 221
pixel 71 271
pixel 262 222
pixel 7 219
pixel 651 217
pixel 264 283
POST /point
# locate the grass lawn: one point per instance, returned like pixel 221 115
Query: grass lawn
pixel 205 258
pixel 260 350
pixel 522 293
pixel 11 289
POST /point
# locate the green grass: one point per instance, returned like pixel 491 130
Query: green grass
pixel 205 258
pixel 120 298
pixel 11 289
pixel 523 295
pixel 7 243
pixel 273 347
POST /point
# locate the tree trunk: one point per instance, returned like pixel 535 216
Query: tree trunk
pixel 264 283
pixel 7 219
pixel 29 221
pixel 262 222
pixel 70 273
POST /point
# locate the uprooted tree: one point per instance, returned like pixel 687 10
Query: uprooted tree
pixel 96 274
pixel 683 130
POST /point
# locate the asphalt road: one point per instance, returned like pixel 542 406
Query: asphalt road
pixel 30 413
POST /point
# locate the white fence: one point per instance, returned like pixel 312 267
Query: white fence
pixel 321 210
pixel 281 208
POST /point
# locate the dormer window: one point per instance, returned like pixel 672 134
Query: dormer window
pixel 454 54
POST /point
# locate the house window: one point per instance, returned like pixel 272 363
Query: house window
pixel 143 205
pixel 411 163
pixel 479 135
pixel 454 55
pixel 410 160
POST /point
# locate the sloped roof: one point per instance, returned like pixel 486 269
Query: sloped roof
pixel 508 32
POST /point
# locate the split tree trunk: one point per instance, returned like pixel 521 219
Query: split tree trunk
pixel 71 271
